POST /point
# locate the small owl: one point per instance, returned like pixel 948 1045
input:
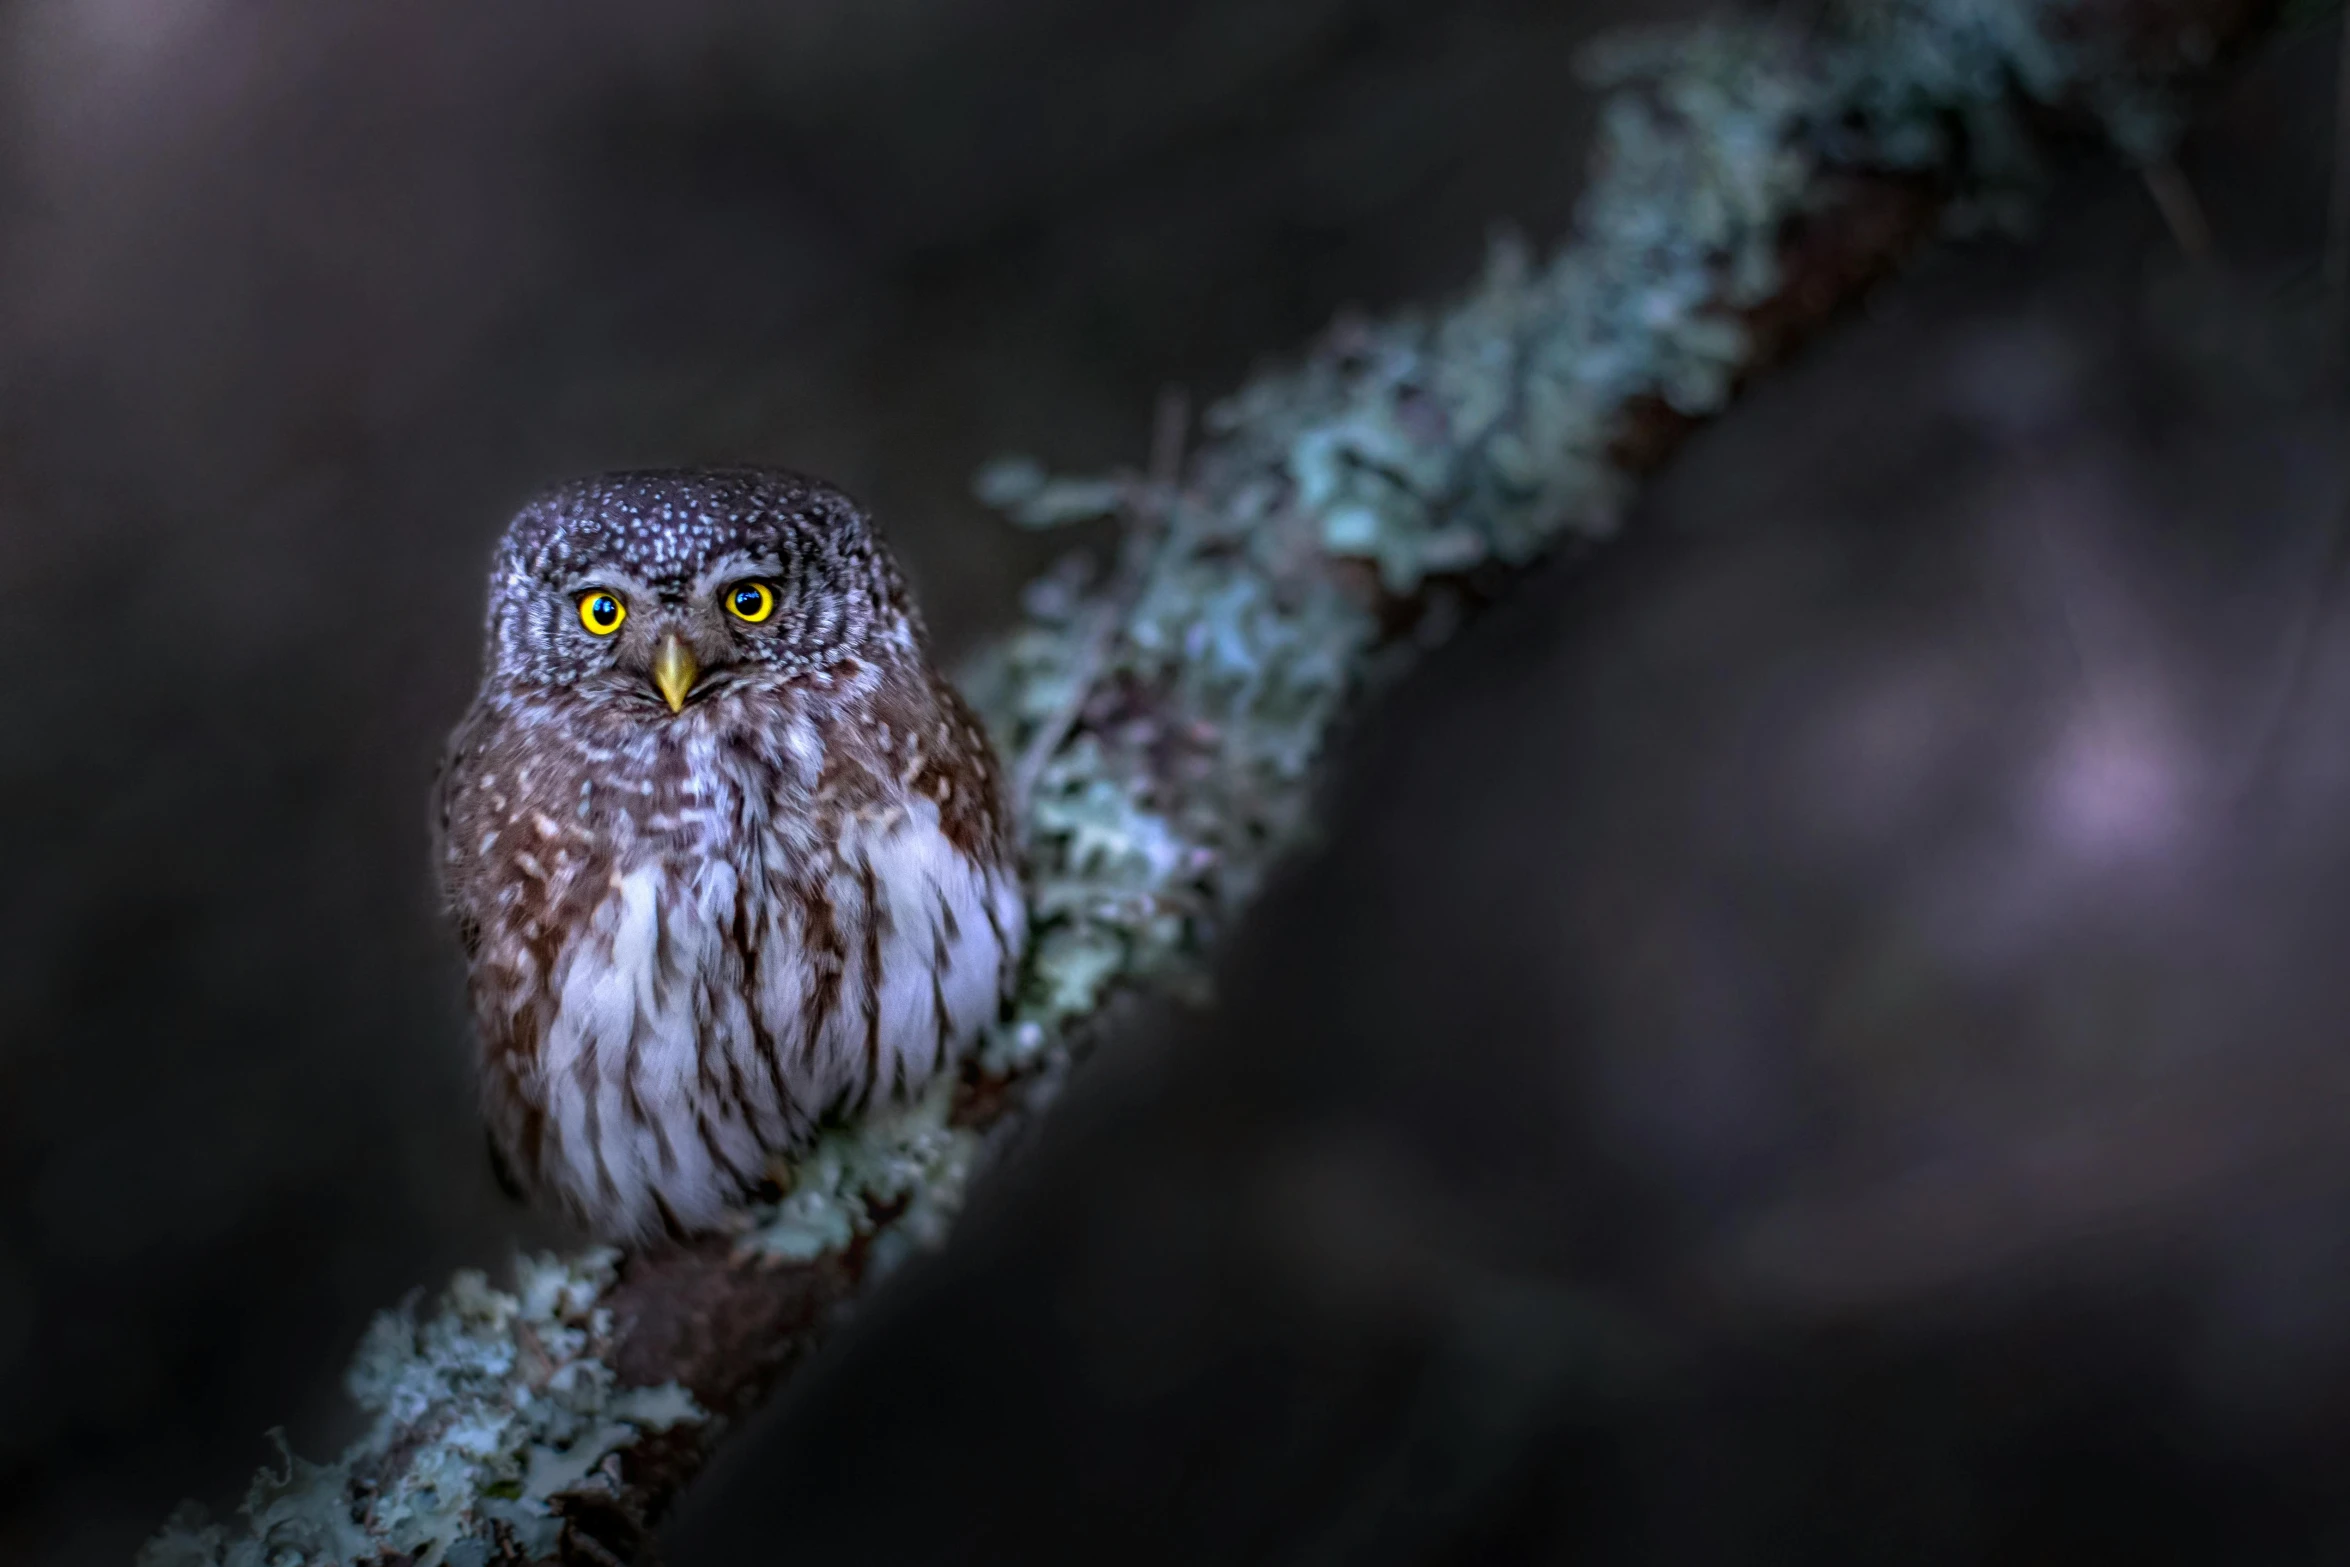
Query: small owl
pixel 726 853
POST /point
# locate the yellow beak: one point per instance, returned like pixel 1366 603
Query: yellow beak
pixel 674 670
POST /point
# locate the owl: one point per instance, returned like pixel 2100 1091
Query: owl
pixel 726 854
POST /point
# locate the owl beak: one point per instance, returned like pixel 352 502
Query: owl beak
pixel 674 670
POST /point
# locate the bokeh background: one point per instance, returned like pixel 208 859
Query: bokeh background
pixel 1745 955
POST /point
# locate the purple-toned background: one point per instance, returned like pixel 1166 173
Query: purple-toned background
pixel 1816 914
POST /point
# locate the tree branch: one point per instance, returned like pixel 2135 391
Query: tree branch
pixel 1752 180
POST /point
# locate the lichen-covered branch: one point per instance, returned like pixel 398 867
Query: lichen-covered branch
pixel 1330 519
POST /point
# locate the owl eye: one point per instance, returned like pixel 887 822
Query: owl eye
pixel 601 612
pixel 751 601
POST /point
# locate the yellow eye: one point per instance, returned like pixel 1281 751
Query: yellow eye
pixel 751 601
pixel 601 612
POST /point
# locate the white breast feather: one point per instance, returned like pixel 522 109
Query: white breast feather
pixel 673 993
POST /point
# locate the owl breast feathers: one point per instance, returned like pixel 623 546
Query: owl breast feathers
pixel 727 855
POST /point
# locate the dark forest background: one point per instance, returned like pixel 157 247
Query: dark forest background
pixel 1800 956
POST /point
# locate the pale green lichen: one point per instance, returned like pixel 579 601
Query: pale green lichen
pixel 1423 447
pixel 904 1160
pixel 485 1412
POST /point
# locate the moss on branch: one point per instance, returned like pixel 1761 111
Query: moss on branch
pixel 1331 518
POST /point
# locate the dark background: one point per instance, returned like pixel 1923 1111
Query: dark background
pixel 1818 1035
pixel 295 303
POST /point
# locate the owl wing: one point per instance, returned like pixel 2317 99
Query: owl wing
pixel 450 784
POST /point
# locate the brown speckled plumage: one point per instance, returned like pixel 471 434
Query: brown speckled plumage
pixel 695 932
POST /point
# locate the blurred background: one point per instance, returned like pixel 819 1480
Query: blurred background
pixel 1817 1034
pixel 1594 1024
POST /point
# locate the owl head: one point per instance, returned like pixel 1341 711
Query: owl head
pixel 665 588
